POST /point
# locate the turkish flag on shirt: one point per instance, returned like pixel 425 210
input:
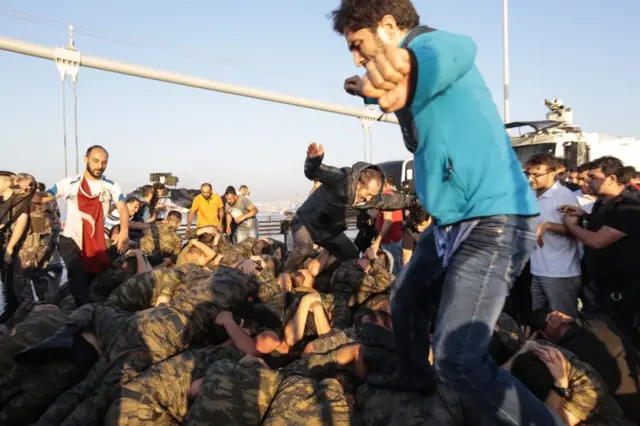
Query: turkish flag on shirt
pixel 94 244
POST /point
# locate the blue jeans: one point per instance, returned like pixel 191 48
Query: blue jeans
pixel 395 250
pixel 472 292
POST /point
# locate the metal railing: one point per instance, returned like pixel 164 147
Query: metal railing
pixel 268 226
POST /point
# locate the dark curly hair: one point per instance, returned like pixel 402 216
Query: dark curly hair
pixel 354 15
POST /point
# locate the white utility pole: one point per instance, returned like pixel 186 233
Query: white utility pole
pixel 505 57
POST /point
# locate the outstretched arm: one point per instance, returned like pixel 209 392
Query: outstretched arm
pixel 316 171
pixel 390 202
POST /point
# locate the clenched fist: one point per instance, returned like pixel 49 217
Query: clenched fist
pixel 387 79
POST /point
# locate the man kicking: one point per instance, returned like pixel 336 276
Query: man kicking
pixel 469 178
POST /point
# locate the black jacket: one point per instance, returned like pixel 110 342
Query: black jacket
pixel 324 213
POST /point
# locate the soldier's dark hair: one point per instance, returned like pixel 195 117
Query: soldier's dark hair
pixel 369 175
pixel 113 230
pixel 418 215
pixel 131 199
pixel 175 214
pixel 230 190
pixel 260 247
pixel 41 187
pixel 94 147
pixel 206 185
pixel 354 15
pixel 537 320
pixel 207 239
pixel 391 181
pixel 543 159
pixel 534 374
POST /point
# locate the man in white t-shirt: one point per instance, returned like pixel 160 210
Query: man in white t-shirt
pixel 555 262
pixel 83 244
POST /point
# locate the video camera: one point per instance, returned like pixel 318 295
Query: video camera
pixel 165 178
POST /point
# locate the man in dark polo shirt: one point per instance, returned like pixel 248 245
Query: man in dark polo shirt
pixel 612 242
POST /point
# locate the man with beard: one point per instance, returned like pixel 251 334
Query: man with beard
pixel 469 178
pixel 83 245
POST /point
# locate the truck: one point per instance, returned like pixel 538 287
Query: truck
pixel 559 136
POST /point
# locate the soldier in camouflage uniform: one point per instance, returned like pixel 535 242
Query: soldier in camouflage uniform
pixel 234 393
pixel 588 402
pixel 309 395
pixel 40 324
pixel 160 396
pixel 149 337
pixel 362 278
pixel 38 246
pixel 161 240
pixel 384 407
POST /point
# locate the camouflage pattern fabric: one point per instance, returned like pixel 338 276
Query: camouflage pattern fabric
pixel 234 393
pixel 378 302
pixel 590 400
pixel 36 327
pixel 245 247
pixel 305 401
pixel 338 308
pixel 29 390
pixel 106 282
pixel 350 278
pixel 384 407
pixel 161 239
pixel 149 337
pixel 142 290
pixel 270 287
pixel 161 394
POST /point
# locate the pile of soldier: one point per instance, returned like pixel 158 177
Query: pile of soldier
pixel 221 337
pixel 212 332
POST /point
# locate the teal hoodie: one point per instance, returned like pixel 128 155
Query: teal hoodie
pixel 464 165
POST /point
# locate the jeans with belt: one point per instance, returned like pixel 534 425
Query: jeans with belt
pixel 471 294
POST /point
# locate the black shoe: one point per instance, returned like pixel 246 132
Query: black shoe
pixel 425 385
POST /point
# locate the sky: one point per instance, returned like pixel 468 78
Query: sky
pixel 581 51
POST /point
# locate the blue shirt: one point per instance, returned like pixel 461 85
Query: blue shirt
pixel 464 164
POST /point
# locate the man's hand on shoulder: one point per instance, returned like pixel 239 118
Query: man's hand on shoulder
pixel 387 79
pixel 314 150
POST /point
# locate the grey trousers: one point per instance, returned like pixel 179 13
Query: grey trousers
pixel 557 294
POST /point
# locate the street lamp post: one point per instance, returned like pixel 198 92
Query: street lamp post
pixel 505 57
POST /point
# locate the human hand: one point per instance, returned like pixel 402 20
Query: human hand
pixel 314 150
pixel 223 318
pixel 555 319
pixel 387 79
pixel 554 361
pixel 570 220
pixel 571 210
pixel 353 86
pixel 248 267
pixel 540 231
pixel 122 241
